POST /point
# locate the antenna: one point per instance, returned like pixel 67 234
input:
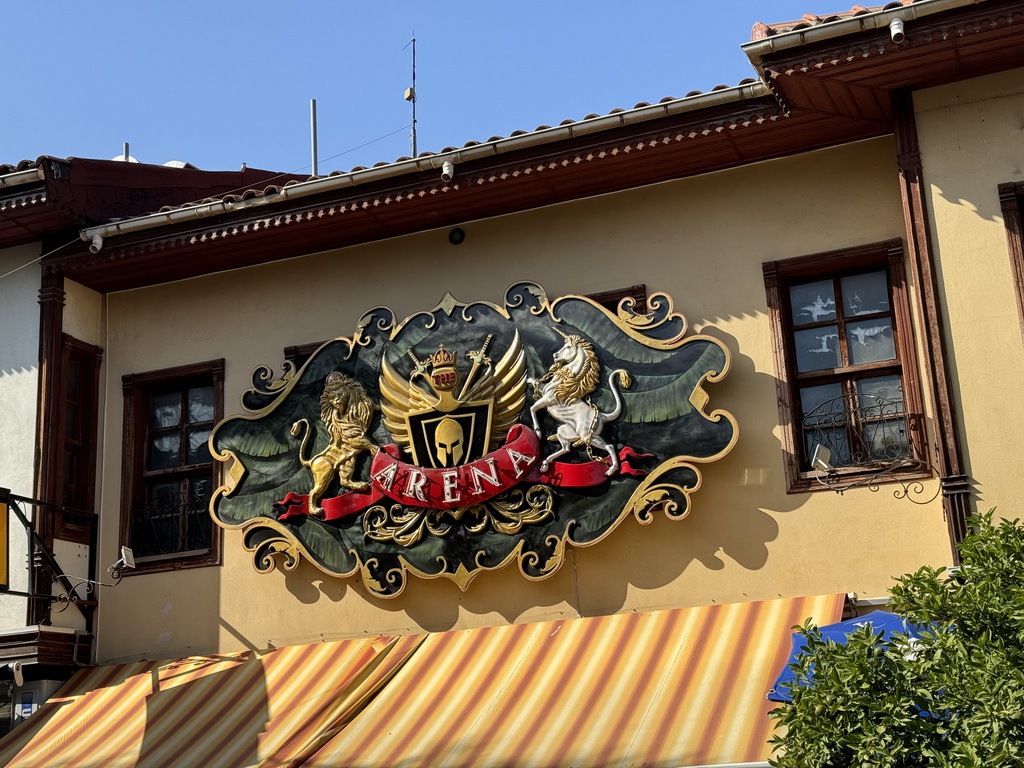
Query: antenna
pixel 124 156
pixel 312 136
pixel 410 94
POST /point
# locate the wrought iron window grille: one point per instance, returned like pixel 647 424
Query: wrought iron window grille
pixel 172 524
pixel 862 440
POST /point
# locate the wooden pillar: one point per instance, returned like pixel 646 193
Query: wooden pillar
pixel 48 444
pixel 954 482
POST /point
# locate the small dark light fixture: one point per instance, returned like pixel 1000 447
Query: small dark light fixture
pixel 457 236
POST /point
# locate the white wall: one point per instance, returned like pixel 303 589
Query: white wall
pixel 19 359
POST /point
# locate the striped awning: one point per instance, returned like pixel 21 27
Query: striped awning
pixel 673 688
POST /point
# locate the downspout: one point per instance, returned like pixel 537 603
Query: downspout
pixel 953 479
pixel 445 160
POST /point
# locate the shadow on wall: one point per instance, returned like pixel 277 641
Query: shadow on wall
pixel 727 522
pixel 7 368
pixel 986 208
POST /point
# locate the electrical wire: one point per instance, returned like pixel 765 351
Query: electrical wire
pixel 304 167
pixel 39 258
pixel 222 194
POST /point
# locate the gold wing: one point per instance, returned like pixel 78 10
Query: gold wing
pixel 506 384
pixel 399 397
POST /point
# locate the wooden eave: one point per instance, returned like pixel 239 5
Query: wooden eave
pixel 648 153
pixel 854 76
pixel 26 215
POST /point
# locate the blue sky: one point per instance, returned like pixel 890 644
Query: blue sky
pixel 218 83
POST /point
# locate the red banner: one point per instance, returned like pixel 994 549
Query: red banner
pixel 562 475
pixel 457 486
pixel 349 503
pixel 460 486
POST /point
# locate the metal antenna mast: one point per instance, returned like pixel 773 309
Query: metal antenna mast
pixel 315 164
pixel 410 94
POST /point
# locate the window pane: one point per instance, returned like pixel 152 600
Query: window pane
pixel 880 396
pixel 822 405
pixel 197 528
pixel 817 348
pixel 813 302
pixel 198 532
pixel 200 404
pixel 865 294
pixel 200 490
pixel 165 410
pixel 870 342
pixel 198 449
pixel 156 527
pixel 71 420
pixel 74 377
pixel 164 451
pixel 887 439
pixel 834 439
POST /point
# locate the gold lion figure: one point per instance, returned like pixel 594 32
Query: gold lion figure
pixel 346 411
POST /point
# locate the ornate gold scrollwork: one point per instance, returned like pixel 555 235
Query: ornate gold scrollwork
pixel 265 555
pixel 506 513
pixel 509 512
pixel 403 525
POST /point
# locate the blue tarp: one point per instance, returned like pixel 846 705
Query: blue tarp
pixel 887 624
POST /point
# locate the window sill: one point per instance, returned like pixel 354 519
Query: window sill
pixel 809 482
pixel 167 563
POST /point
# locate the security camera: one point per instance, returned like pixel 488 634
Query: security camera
pixel 447 170
pixel 896 30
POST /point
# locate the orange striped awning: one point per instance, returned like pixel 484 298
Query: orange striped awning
pixel 673 688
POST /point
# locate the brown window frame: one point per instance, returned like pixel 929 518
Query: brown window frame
pixel 778 277
pixel 299 354
pixel 138 388
pixel 610 299
pixel 1011 200
pixel 77 519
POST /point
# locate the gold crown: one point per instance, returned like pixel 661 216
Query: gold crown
pixel 443 358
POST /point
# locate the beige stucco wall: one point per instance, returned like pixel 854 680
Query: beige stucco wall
pixel 702 240
pixel 83 313
pixel 972 134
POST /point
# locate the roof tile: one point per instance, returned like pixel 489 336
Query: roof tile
pixel 761 30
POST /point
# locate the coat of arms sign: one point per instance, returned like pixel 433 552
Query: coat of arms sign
pixel 472 436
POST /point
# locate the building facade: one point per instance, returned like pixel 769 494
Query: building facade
pixel 846 227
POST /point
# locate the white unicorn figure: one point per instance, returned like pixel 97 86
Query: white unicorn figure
pixel 564 393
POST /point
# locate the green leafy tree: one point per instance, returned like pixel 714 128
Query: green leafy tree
pixel 954 697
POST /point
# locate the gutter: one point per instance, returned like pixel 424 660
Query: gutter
pixel 756 50
pixel 18 178
pixel 97 235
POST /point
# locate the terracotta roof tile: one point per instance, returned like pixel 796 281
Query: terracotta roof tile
pixel 762 30
pixel 24 165
pixel 567 121
pixel 259 190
